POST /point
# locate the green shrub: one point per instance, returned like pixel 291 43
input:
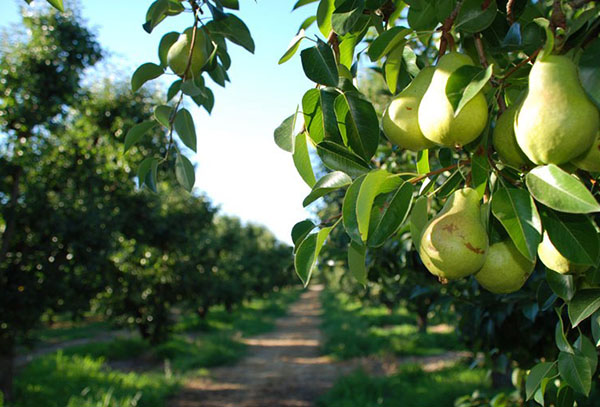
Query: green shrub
pixel 117 349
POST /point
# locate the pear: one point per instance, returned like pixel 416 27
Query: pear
pixel 557 122
pixel 554 260
pixel 436 115
pixel 505 269
pixel 454 244
pixel 590 161
pixel 400 119
pixel 177 57
pixel 504 140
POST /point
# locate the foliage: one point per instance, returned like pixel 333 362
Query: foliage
pixel 410 386
pixel 60 380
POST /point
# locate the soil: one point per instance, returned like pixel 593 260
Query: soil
pixel 284 368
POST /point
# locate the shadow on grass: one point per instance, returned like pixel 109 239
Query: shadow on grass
pixel 409 387
pixel 352 330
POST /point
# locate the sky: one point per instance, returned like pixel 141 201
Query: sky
pixel 239 167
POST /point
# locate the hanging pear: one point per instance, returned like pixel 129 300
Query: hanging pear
pixel 590 160
pixel 454 244
pixel 554 260
pixel 557 122
pixel 400 120
pixel 505 269
pixel 179 52
pixel 436 115
pixel 504 141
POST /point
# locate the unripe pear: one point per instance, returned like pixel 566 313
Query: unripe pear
pixel 554 260
pixel 504 140
pixel 505 269
pixel 454 244
pixel 590 161
pixel 179 52
pixel 557 122
pixel 436 115
pixel 400 119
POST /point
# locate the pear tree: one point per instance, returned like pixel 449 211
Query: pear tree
pixel 505 133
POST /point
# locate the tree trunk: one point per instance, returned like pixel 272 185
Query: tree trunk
pixel 10 216
pixel 7 359
pixel 202 311
pixel 422 321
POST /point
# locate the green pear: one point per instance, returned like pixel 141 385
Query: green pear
pixel 554 260
pixel 590 161
pixel 436 115
pixel 179 52
pixel 504 140
pixel 505 269
pixel 557 122
pixel 454 244
pixel 400 119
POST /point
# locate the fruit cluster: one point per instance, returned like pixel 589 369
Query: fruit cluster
pixel 553 123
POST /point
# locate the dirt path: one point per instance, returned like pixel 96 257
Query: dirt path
pixel 284 368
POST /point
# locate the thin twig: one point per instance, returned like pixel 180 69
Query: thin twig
pixel 335 44
pixel 439 171
pixel 510 11
pixel 480 50
pixel 522 63
pixel 329 220
pixel 447 38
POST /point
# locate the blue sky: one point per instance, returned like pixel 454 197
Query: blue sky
pixel 238 165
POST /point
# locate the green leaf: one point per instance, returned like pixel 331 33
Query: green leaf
pixel 418 220
pixel 301 3
pixel 319 114
pixel 190 88
pixel 284 134
pixel 394 215
pixel 576 371
pixel 293 47
pixel 57 4
pixel 387 41
pixel 474 87
pixel 360 122
pixel 588 349
pixel 319 64
pixel 472 18
pixel 174 89
pixel 421 15
pixel 301 230
pixel 458 82
pixel 308 253
pixel 370 188
pixel 338 158
pixel 349 217
pixel 589 71
pixel 563 285
pixel 392 69
pixel 184 126
pixel 301 159
pixel 560 338
pixel 231 4
pixel 423 162
pixel 574 236
pixel 348 22
pixel 565 396
pixel 549 46
pixel 357 255
pixel 307 22
pixel 135 134
pixel 184 172
pixel 480 173
pixel 324 14
pixel 165 44
pixel 328 183
pixel 559 190
pixel 156 13
pixel 583 305
pixel 147 172
pixel 516 211
pixel 145 73
pixel 162 114
pixel 595 321
pixel 234 29
pixel 536 375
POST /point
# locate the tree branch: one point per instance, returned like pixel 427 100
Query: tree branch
pixel 522 63
pixel 510 11
pixel 447 38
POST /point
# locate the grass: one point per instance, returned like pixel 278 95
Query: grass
pixel 352 329
pixel 68 331
pixel 61 380
pixel 81 376
pixel 409 387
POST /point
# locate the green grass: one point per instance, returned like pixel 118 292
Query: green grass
pixel 61 380
pixel 409 387
pixel 352 329
pixel 116 349
pixel 70 331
